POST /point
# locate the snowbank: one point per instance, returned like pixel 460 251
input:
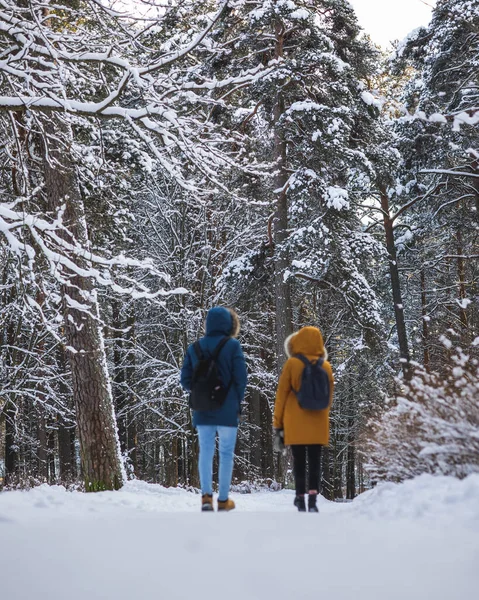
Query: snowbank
pixel 423 498
pixel 150 542
pixel 426 497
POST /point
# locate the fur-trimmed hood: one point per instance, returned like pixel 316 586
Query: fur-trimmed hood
pixel 307 341
pixel 236 325
pixel 222 321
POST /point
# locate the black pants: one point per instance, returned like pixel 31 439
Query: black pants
pixel 299 467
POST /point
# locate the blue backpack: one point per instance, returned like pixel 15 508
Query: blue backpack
pixel 314 391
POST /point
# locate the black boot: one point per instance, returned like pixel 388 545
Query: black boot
pixel 312 503
pixel 299 503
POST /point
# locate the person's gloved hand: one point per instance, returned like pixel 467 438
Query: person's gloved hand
pixel 278 444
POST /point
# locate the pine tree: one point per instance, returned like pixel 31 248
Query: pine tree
pixel 440 167
pixel 313 119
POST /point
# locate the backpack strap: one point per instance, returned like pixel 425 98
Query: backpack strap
pixel 303 359
pixel 198 350
pixel 216 351
pixel 219 347
pixel 307 362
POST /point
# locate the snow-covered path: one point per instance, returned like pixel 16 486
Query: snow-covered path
pixel 414 541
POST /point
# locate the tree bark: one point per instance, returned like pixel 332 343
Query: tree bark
pixel 173 463
pixel 66 451
pixel 51 456
pixel 425 326
pixel 65 432
pixel 124 361
pixel 42 453
pixel 99 446
pixel 267 454
pixel 337 469
pixel 192 476
pixel 326 486
pixel 282 286
pixel 11 452
pixel 475 185
pixel 461 276
pixel 351 463
pixel 395 284
pixel 130 379
pixel 255 430
pixel 119 378
pixel 10 412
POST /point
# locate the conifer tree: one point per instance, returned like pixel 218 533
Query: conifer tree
pixel 440 168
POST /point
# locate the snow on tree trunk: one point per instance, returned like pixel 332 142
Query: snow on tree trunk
pixel 99 446
pixel 282 286
pixel 395 284
pixel 10 413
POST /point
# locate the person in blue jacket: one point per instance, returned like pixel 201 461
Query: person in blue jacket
pixel 221 322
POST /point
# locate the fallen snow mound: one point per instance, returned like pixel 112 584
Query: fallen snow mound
pixel 416 540
pixel 136 497
pixel 427 496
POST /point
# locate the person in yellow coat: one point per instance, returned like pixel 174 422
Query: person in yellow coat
pixel 306 431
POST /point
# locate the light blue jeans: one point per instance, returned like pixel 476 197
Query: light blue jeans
pixel 207 439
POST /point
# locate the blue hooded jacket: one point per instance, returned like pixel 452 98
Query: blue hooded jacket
pixel 231 364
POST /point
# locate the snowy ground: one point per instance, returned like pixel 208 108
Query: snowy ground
pixel 414 541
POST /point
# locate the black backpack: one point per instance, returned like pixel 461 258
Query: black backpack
pixel 208 392
pixel 314 391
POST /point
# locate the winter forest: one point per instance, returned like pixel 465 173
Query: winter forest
pixel 160 158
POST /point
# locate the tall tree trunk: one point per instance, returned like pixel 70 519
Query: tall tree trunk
pixel 11 450
pixel 326 485
pixel 173 466
pixel 119 377
pixel 425 325
pixel 395 284
pixel 130 379
pixel 2 448
pixel 42 453
pixel 192 476
pixel 337 468
pixel 65 431
pixel 39 412
pixel 282 286
pixel 10 413
pixel 461 277
pixel 267 454
pixel 51 456
pixel 99 446
pixel 66 450
pixel 351 462
pixel 475 185
pixel 361 488
pixel 255 430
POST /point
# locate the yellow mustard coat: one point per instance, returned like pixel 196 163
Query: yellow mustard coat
pixel 301 426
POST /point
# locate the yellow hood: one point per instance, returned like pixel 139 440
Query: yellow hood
pixel 308 341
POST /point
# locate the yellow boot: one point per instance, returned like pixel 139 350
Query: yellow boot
pixel 206 503
pixel 227 504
